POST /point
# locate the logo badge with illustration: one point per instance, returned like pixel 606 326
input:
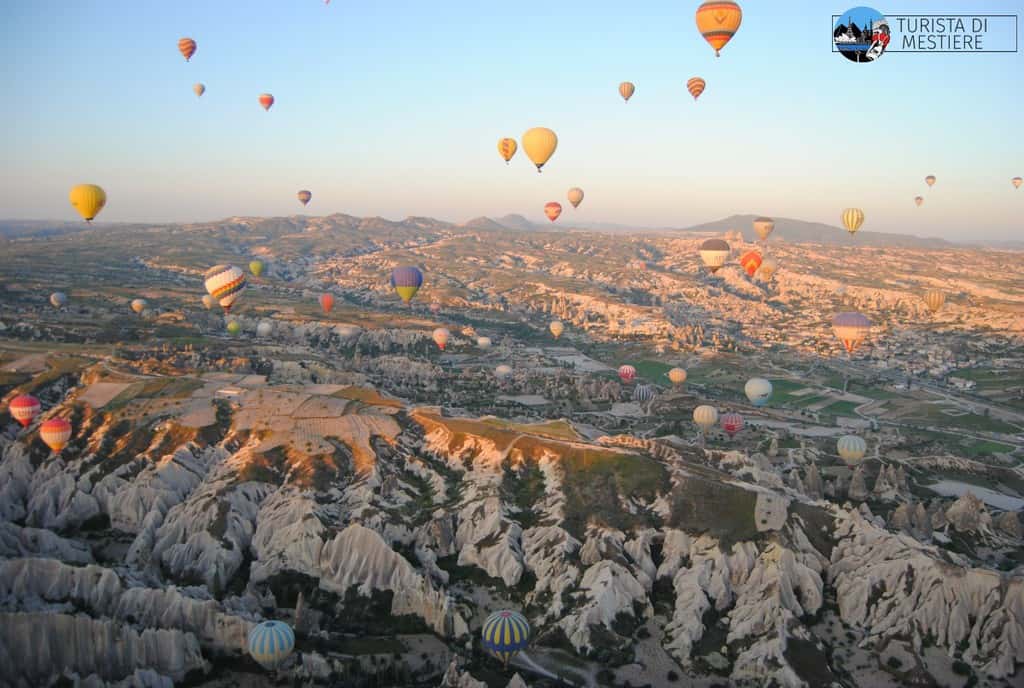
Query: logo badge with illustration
pixel 861 34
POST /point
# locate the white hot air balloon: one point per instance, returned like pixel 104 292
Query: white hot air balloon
pixel 503 371
pixel 758 391
pixel 851 449
pixel 483 342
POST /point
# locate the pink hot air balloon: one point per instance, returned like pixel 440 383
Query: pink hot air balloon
pixel 266 100
pixel 732 423
pixel 627 373
pixel 553 210
pixel 327 302
pixel 440 337
pixel 24 409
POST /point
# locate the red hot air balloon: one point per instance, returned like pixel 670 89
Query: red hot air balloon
pixel 751 261
pixel 24 409
pixel 327 302
pixel 553 210
pixel 732 423
pixel 266 100
pixel 627 373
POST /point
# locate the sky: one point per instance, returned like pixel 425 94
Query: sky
pixel 395 108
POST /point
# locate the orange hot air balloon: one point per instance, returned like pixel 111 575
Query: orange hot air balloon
pixel 327 302
pixel 266 100
pixel 553 210
pixel 507 148
pixel 55 433
pixel 187 47
pixel 695 86
pixel 626 90
pixel 718 21
pixel 751 261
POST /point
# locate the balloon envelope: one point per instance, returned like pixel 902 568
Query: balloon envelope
pixel 505 634
pixel 852 218
pixel 483 342
pixel 503 371
pixel 677 376
pixel 234 327
pixel 758 391
pixel 763 226
pixel 930 180
pixel 88 200
pixel 851 329
pixel 507 148
pixel 440 337
pixel 732 423
pixel 540 144
pixel 208 301
pixel 556 328
pixel 714 253
pixel 695 86
pixel 256 268
pixel 767 269
pixel 58 299
pixel 851 448
pixel 1017 181
pixel 918 200
pixel 55 433
pixel 553 210
pixel 751 261
pixel 304 197
pixel 627 373
pixel 199 89
pixel 934 299
pixel 266 100
pixel 24 409
pixel 705 417
pixel 271 642
pixel 626 90
pixel 139 305
pixel 264 328
pixel 718 21
pixel 575 196
pixel 225 284
pixel 327 302
pixel 187 47
pixel 406 281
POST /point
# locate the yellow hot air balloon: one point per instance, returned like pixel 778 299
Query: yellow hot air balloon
pixel 853 218
pixel 677 376
pixel 88 200
pixel 575 196
pixel 764 226
pixel 626 90
pixel 718 21
pixel 705 417
pixel 557 328
pixel 256 267
pixel 234 327
pixel 930 180
pixel 540 144
pixel 934 299
pixel 507 148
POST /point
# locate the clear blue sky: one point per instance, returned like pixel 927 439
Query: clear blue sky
pixel 394 109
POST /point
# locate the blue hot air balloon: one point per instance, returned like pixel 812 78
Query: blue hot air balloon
pixel 407 281
pixel 270 643
pixel 505 634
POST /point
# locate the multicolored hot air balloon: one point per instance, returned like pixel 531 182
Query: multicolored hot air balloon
pixel 732 423
pixel 505 634
pixel 763 226
pixel 187 47
pixel 225 283
pixel 198 89
pixel 208 301
pixel 507 148
pixel 934 299
pixel 627 373
pixel 540 144
pixel 718 21
pixel 556 328
pixel 58 299
pixel 270 643
pixel 304 197
pixel 695 86
pixel 138 305
pixel 714 253
pixel 852 218
pixel 851 328
pixel 406 281
pixel 1017 181
pixel 705 417
pixel 266 100
pixel 483 342
pixel 751 261
pixel 552 210
pixel 930 180
pixel 234 327
pixel 503 371
pixel 326 302
pixel 851 449
pixel 767 269
pixel 88 200
pixel 440 336
pixel 643 393
pixel 24 408
pixel 758 391
pixel 55 433
pixel 626 90
pixel 575 196
pixel 677 376
pixel 918 200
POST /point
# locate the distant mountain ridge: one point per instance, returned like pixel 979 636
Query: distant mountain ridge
pixel 801 231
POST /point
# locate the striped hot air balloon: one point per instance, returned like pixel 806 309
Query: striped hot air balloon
pixel 55 433
pixel 852 218
pixel 58 299
pixel 507 148
pixel 763 226
pixel 626 90
pixel 643 393
pixel 677 376
pixel 751 261
pixel 505 634
pixel 24 408
pixel 714 253
pixel 225 283
pixel 270 643
pixel 851 329
pixel 266 100
pixel 575 196
pixel 934 299
pixel 326 302
pixel 406 281
pixel 304 197
pixel 732 423
pixel 851 449
pixel 187 47
pixel 695 86
pixel 705 417
pixel 718 21
pixel 552 210
pixel 627 373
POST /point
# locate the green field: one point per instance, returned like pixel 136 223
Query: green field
pixel 557 429
pixel 653 371
pixel 842 408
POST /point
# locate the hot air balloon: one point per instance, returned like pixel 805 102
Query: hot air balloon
pixel 256 267
pixel 1017 181
pixel 270 643
pixel 503 371
pixel 763 226
pixel 88 200
pixel 505 634
pixel 930 180
pixel 327 302
pixel 851 329
pixel 556 328
pixel 575 196
pixel 627 373
pixel 758 391
pixel 138 305
pixel 767 269
pixel 934 299
pixel 304 197
pixel 199 90
pixel 853 218
pixel 58 299
pixel 705 417
pixel 264 328
pixel 643 393
pixel 187 47
pixel 718 21
pixel 714 253
pixel 851 448
pixel 208 301
pixel 507 148
pixel 483 342
pixel 751 261
pixel 435 307
pixel 695 86
pixel 918 200
pixel 732 423
pixel 552 210
pixel 225 284
pixel 540 144
pixel 55 433
pixel 406 281
pixel 266 100
pixel 677 376
pixel 24 408
pixel 440 337
pixel 234 327
pixel 626 90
